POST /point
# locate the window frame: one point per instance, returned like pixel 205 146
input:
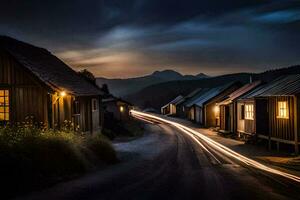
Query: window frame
pixel 242 112
pixel 5 102
pixel 285 112
pixel 76 107
pixel 95 102
pixel 249 113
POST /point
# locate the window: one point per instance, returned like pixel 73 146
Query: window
pixel 283 110
pixel 4 105
pixel 94 104
pixel 76 107
pixel 242 114
pixel 249 111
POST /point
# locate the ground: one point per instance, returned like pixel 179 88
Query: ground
pixel 168 164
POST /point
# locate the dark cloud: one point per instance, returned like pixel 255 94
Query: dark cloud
pixel 144 35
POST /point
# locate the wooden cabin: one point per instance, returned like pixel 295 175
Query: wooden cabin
pixel 228 108
pixel 272 111
pixel 204 109
pixel 181 109
pixel 170 108
pixel 117 108
pixel 35 85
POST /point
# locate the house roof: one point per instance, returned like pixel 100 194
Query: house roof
pixel 208 95
pixel 48 68
pixel 195 96
pixel 283 86
pixel 111 98
pixel 239 92
pixel 174 101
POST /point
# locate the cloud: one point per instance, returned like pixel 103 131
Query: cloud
pixel 140 36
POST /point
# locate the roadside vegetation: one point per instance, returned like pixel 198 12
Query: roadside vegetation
pixel 32 157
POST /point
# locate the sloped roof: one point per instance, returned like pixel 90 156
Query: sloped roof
pixel 48 68
pixel 174 101
pixel 196 96
pixel 239 92
pixel 283 86
pixel 208 95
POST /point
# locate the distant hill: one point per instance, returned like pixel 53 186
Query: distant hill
pixel 165 92
pixel 125 87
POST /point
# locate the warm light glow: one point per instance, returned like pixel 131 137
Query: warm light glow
pixel 62 93
pixel 200 139
pixel 249 111
pixel 217 109
pixel 282 110
pixel 121 109
pixel 4 105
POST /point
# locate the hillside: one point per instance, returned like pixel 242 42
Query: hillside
pixel 124 87
pixel 164 92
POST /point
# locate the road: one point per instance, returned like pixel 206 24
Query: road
pixel 168 163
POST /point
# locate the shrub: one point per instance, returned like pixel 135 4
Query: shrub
pixel 31 157
pixel 102 148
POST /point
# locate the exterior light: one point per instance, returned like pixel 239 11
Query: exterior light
pixel 121 109
pixel 62 93
pixel 216 109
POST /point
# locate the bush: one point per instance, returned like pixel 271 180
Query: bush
pixel 31 157
pixel 102 148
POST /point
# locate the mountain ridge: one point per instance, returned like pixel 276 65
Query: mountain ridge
pixel 123 87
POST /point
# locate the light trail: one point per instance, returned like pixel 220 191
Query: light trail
pixel 221 148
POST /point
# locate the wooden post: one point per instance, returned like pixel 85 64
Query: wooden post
pixel 296 126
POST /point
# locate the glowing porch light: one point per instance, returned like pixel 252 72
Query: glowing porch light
pixel 62 93
pixel 121 109
pixel 217 109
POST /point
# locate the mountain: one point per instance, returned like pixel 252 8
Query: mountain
pixel 165 92
pixel 125 87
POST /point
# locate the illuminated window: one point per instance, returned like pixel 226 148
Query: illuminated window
pixel 283 109
pixel 4 105
pixel 249 111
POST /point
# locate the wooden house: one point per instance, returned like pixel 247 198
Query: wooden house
pixel 181 109
pixel 204 109
pixel 228 108
pixel 272 111
pixel 36 85
pixel 116 108
pixel 170 108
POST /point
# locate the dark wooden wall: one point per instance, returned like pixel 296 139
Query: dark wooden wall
pixel 222 117
pixel 27 96
pixel 30 97
pixel 281 128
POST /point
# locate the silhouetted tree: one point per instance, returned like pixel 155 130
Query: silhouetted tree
pixel 105 88
pixel 87 75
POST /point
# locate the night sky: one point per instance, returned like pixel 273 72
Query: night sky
pixel 129 38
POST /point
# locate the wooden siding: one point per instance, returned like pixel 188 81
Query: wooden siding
pixel 281 128
pixel 240 119
pixel 245 125
pixel 261 116
pixel 222 117
pixel 27 96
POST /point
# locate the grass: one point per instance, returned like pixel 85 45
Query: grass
pixel 31 158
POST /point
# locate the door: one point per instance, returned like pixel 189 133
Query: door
pixel 227 118
pixel 262 117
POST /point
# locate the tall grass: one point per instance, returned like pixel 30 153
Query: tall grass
pixel 32 157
